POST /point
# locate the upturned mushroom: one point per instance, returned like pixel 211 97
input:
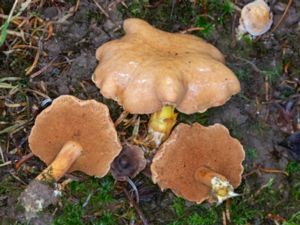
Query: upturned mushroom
pixel 152 71
pixel 199 163
pixel 71 135
pixel 256 19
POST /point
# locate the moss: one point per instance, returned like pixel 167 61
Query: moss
pixel 201 118
pixel 92 201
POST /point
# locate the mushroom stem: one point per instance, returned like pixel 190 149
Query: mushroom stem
pixel 161 124
pixel 221 189
pixel 69 153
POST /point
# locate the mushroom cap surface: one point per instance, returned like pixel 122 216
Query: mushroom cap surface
pixel 129 163
pixel 256 18
pixel 149 68
pixel 191 147
pixel 85 122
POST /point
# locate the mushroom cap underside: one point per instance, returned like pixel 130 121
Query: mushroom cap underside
pixel 191 147
pixel 85 122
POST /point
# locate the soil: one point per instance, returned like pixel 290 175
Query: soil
pixel 268 69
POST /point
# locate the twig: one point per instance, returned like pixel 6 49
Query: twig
pixel 23 160
pixel 5 164
pixel 136 207
pixel 224 218
pixel 10 14
pixel 77 5
pixel 101 8
pixel 17 178
pixel 2 155
pixel 35 61
pixel 131 183
pixel 121 118
pixel 283 15
pixel 254 67
pixel 189 30
pixel 87 200
pixel 233 35
pixel 227 210
pixel 43 69
pixel 266 170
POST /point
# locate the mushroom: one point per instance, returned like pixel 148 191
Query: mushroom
pixel 128 163
pixel 199 163
pixel 152 71
pixel 256 19
pixel 71 135
pixel 74 135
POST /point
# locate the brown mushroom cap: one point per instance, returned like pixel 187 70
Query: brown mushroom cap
pixel 129 163
pixel 149 68
pixel 85 122
pixel 191 147
pixel 256 18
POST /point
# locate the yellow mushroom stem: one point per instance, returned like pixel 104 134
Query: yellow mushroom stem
pixel 221 189
pixel 69 153
pixel 160 125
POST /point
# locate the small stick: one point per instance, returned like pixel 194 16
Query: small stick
pixel 43 69
pixel 5 164
pixel 266 170
pixel 131 183
pixel 228 204
pixel 101 8
pixel 189 30
pixel 121 118
pixel 17 178
pixel 254 67
pixel 23 160
pixel 224 218
pixel 283 15
pixel 2 155
pixel 136 207
pixel 77 5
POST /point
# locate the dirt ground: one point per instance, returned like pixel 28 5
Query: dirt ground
pixel 262 115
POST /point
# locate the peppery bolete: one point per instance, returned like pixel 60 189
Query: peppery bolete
pixel 152 71
pixel 199 163
pixel 74 135
pixel 70 135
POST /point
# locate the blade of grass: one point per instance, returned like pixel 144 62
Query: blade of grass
pixel 12 128
pixel 5 25
pixel 6 86
pixel 10 79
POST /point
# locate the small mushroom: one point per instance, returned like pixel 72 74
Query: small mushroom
pixel 71 135
pixel 199 163
pixel 256 19
pixel 152 71
pixel 129 163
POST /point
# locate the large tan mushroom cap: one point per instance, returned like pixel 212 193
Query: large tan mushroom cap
pixel 256 18
pixel 191 147
pixel 85 122
pixel 148 68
